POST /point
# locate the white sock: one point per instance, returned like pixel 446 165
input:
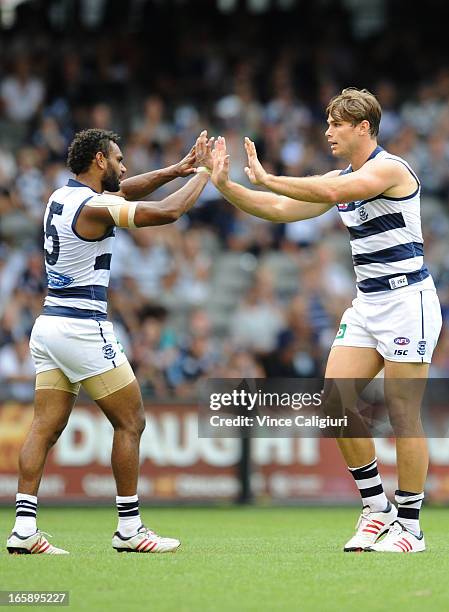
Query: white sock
pixel 129 519
pixel 370 486
pixel 26 510
pixel 409 505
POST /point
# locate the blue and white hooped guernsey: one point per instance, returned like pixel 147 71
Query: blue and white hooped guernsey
pixel 386 238
pixel 77 269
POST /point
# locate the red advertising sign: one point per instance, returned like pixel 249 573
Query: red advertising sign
pixel 177 465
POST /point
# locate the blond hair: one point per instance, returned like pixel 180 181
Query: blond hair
pixel 356 105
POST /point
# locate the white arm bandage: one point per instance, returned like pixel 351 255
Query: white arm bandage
pixel 120 209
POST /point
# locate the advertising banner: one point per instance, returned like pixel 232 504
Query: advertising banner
pixel 177 465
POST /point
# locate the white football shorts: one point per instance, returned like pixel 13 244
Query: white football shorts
pixel 405 328
pixel 81 348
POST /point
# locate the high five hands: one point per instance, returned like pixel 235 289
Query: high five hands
pixel 203 153
pixel 213 156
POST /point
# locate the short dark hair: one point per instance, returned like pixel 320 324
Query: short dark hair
pixel 86 145
pixel 355 105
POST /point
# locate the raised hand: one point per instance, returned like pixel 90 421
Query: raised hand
pixel 220 168
pixel 186 165
pixel 254 171
pixel 203 151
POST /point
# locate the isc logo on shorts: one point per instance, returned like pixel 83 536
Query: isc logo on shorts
pixel 108 351
pixel 398 281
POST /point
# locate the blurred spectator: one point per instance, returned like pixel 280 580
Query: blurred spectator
pixel 151 128
pixel 50 140
pixel 198 357
pixel 21 93
pixel 30 184
pixel 434 171
pixel 154 351
pixel 17 369
pixel 248 233
pixel 391 121
pixel 239 364
pixel 258 318
pixel 8 167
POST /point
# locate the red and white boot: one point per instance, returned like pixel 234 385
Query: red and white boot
pixel 369 528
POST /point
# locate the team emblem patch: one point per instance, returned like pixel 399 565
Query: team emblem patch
pixel 108 351
pixel 341 331
pixel 363 214
pixel 401 340
pixel 422 347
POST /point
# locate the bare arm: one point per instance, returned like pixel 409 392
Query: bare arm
pixel 269 206
pixel 94 221
pixel 368 182
pixel 105 210
pixel 372 179
pixel 142 185
pixel 172 207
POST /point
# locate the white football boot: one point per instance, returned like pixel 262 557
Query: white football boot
pixel 369 528
pixel 145 541
pixel 399 540
pixel 36 544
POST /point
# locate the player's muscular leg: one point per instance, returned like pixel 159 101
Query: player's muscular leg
pixel 404 405
pixel 52 409
pixel 350 363
pixel 124 409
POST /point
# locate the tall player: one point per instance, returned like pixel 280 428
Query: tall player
pixel 395 320
pixel 72 343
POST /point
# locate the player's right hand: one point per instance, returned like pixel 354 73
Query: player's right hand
pixel 186 165
pixel 220 168
pixel 254 171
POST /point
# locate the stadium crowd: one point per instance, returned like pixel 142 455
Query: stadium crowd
pixel 219 293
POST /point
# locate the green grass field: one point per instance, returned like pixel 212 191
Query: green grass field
pixel 231 559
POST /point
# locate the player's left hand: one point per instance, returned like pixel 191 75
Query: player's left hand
pixel 203 149
pixel 254 171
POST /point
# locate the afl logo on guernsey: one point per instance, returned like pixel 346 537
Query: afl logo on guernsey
pixel 401 341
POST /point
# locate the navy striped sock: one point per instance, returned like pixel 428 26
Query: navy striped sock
pixel 26 510
pixel 128 515
pixel 409 505
pixel 370 486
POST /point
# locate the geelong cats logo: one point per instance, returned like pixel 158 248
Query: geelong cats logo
pixel 363 214
pixel 108 351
